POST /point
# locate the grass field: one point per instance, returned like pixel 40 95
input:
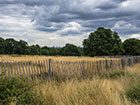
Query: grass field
pixel 112 88
pixel 56 58
pixel 95 91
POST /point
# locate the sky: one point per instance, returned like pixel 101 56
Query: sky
pixel 57 22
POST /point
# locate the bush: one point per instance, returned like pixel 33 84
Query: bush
pixel 15 90
pixel 134 93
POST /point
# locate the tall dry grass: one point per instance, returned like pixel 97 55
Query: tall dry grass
pixel 96 91
pixel 87 92
pixel 56 58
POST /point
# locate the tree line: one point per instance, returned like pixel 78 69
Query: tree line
pixel 102 42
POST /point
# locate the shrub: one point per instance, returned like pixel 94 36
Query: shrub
pixel 15 90
pixel 134 93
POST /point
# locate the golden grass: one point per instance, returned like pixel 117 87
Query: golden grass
pixel 55 58
pixel 95 91
pixel 87 92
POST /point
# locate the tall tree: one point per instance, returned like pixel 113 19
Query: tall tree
pixel 103 42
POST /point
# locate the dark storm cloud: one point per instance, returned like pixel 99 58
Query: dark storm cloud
pixel 71 32
pixel 28 2
pixel 54 15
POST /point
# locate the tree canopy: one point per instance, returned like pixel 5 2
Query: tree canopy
pixel 71 50
pixel 103 42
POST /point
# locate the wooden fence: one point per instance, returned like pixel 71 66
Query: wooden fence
pixel 49 68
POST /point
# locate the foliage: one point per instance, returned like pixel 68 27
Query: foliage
pixel 16 91
pixel 2 46
pixel 71 50
pixel 103 42
pixel 132 46
pixel 44 52
pixel 34 50
pixel 134 93
pixel 22 47
pixel 10 46
pixel 54 51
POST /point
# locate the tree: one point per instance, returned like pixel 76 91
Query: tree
pixel 22 47
pixel 132 46
pixel 103 42
pixel 2 46
pixel 45 50
pixel 54 51
pixel 10 46
pixel 34 50
pixel 71 50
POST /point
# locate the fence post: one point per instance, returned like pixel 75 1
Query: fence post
pixel 49 72
pixel 97 66
pixel 122 63
pixel 83 71
pixel 111 64
pixel 106 64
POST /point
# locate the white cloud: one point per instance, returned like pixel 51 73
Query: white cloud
pixel 12 24
pixel 123 26
pixel 135 36
pixel 71 27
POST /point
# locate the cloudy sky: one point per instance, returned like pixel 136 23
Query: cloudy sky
pixel 57 22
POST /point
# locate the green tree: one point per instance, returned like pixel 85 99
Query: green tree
pixel 71 50
pixel 54 51
pixel 103 42
pixel 45 50
pixel 2 46
pixel 22 47
pixel 34 50
pixel 10 46
pixel 132 46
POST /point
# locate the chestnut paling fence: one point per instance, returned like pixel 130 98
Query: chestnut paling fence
pixel 44 69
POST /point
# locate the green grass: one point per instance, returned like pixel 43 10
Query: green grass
pixel 115 75
pixel 133 93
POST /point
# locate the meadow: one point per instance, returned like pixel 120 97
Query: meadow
pixel 56 58
pixel 116 89
pixel 106 84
